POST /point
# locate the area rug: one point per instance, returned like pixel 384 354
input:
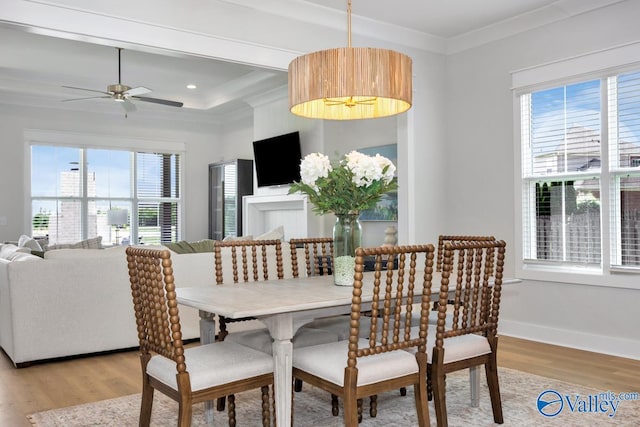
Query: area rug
pixel 521 394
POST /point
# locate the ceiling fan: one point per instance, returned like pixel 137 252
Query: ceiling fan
pixel 124 94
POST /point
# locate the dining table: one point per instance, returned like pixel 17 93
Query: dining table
pixel 284 305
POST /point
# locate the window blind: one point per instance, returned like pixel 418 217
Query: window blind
pixel 623 96
pixel 562 145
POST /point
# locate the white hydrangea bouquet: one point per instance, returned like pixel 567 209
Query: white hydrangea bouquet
pixel 354 183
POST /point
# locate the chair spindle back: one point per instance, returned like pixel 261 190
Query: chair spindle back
pixel 318 253
pixel 453 239
pixel 155 304
pixel 251 257
pixel 475 269
pixel 396 288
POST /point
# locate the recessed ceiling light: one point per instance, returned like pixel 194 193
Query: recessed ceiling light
pixel 191 86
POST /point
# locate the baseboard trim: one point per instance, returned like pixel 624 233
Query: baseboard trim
pixel 614 346
pixel 28 363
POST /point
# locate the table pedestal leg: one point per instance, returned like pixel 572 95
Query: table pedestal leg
pixel 207 336
pixel 282 377
pixel 281 329
pixel 474 382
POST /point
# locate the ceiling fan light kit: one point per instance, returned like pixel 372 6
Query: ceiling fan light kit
pixel 350 83
pixel 123 94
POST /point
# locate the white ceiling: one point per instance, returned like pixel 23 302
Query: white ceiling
pixel 37 66
pixel 441 18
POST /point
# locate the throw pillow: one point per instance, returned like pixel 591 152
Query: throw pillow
pixel 43 242
pixel 38 253
pixel 203 246
pixel 94 243
pixel 232 238
pixel 29 242
pixel 184 247
pixel 275 234
pixel 59 246
pixel 181 247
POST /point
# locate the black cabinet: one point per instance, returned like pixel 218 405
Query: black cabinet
pixel 228 183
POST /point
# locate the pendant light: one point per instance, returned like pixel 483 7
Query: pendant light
pixel 350 83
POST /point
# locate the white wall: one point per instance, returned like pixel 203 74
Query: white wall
pixel 421 154
pixel 480 164
pixel 343 136
pixel 236 137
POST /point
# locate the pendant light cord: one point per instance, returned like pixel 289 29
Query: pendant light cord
pixel 349 22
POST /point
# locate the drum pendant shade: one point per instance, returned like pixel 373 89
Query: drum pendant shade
pixel 350 83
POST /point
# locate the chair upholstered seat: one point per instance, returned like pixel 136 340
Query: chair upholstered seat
pixel 458 348
pixel 260 339
pixel 461 348
pixel 327 361
pixel 213 365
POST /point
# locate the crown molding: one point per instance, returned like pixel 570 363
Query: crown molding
pixel 337 20
pixel 554 12
pixel 370 28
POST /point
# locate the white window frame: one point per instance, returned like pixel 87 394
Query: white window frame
pixel 93 141
pixel 600 64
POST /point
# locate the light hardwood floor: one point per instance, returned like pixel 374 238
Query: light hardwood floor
pixel 70 382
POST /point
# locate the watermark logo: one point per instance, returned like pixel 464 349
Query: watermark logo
pixel 551 403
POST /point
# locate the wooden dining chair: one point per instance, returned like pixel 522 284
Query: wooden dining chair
pixel 190 375
pixel 318 261
pixel 442 239
pixel 318 255
pixel 378 363
pixel 252 261
pixel 470 337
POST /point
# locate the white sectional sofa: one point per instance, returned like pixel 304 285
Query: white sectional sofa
pixel 78 301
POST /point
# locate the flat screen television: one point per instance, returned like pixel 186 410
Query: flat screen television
pixel 277 159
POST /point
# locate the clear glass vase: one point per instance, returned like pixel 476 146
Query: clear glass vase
pixel 347 236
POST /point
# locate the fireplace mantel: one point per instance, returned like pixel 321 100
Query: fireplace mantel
pixel 292 211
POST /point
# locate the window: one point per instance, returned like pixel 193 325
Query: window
pixel 580 150
pixel 124 196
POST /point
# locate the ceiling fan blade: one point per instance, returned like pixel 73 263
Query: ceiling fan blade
pixel 140 90
pixel 90 97
pixel 90 90
pixel 128 106
pixel 159 101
